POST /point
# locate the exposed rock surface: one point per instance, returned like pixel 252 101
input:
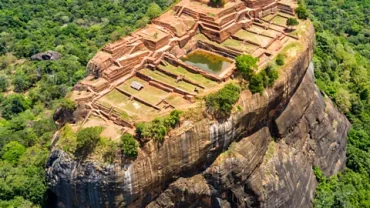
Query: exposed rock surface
pixel 45 56
pixel 191 170
pixel 260 172
pixel 62 115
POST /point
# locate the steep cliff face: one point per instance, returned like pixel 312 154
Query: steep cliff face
pixel 278 137
pixel 262 171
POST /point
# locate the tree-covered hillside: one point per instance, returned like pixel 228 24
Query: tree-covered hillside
pixel 342 64
pixel 30 91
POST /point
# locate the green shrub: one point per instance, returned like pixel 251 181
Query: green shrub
pixel 12 152
pixel 153 10
pixel 319 174
pixel 292 22
pixel 129 145
pixel 4 83
pixel 246 64
pixel 13 105
pixel 158 128
pixel 172 120
pixel 256 84
pixel 272 75
pixel 87 139
pixel 221 103
pixel 67 104
pixel 301 12
pixel 218 3
pixel 280 60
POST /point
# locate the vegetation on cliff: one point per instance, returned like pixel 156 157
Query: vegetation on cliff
pixel 247 66
pixel 342 71
pixel 30 91
pixel 129 145
pixel 87 140
pixel 221 102
pixel 159 127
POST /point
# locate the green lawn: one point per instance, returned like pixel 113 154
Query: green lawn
pixel 245 35
pixel 254 38
pixel 256 29
pixel 122 102
pixel 176 100
pixel 246 47
pixel 113 98
pixel 148 93
pixel 270 33
pixel 268 17
pixel 168 80
pixel 279 20
pixel 198 78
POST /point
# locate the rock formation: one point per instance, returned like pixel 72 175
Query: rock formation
pixel 152 56
pixel 46 56
pixel 262 170
pixel 261 156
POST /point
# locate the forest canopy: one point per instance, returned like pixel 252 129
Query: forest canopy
pixel 342 63
pixel 30 91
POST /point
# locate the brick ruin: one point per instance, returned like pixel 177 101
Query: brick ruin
pixel 147 55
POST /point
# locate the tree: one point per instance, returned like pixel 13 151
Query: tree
pixel 172 120
pixel 67 104
pixel 4 83
pixel 218 3
pixel 17 202
pixel 158 128
pixel 256 83
pixel 280 60
pixel 272 75
pixel 142 22
pixel 153 10
pixel 14 104
pixel 12 152
pixel 291 22
pixel 221 103
pixel 21 83
pixel 129 145
pixel 301 12
pixel 87 139
pixel 246 64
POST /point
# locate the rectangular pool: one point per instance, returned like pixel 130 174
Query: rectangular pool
pixel 207 61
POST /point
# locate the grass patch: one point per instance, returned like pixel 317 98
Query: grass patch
pixel 246 35
pixel 67 139
pixel 270 152
pixel 168 80
pixel 198 78
pixel 238 45
pixel 279 20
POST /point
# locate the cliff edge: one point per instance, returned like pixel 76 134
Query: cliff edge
pixel 261 156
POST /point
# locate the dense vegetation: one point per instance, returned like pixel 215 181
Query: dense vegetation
pixel 221 102
pixel 30 91
pixel 342 71
pixel 159 127
pixel 87 140
pixel 247 66
pixel 129 145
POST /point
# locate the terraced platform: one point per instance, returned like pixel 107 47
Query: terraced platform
pixel 160 58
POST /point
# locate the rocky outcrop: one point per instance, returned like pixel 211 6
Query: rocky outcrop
pixel 46 56
pixel 278 137
pixel 63 115
pixel 261 171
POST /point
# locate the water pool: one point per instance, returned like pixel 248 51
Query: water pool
pixel 207 61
